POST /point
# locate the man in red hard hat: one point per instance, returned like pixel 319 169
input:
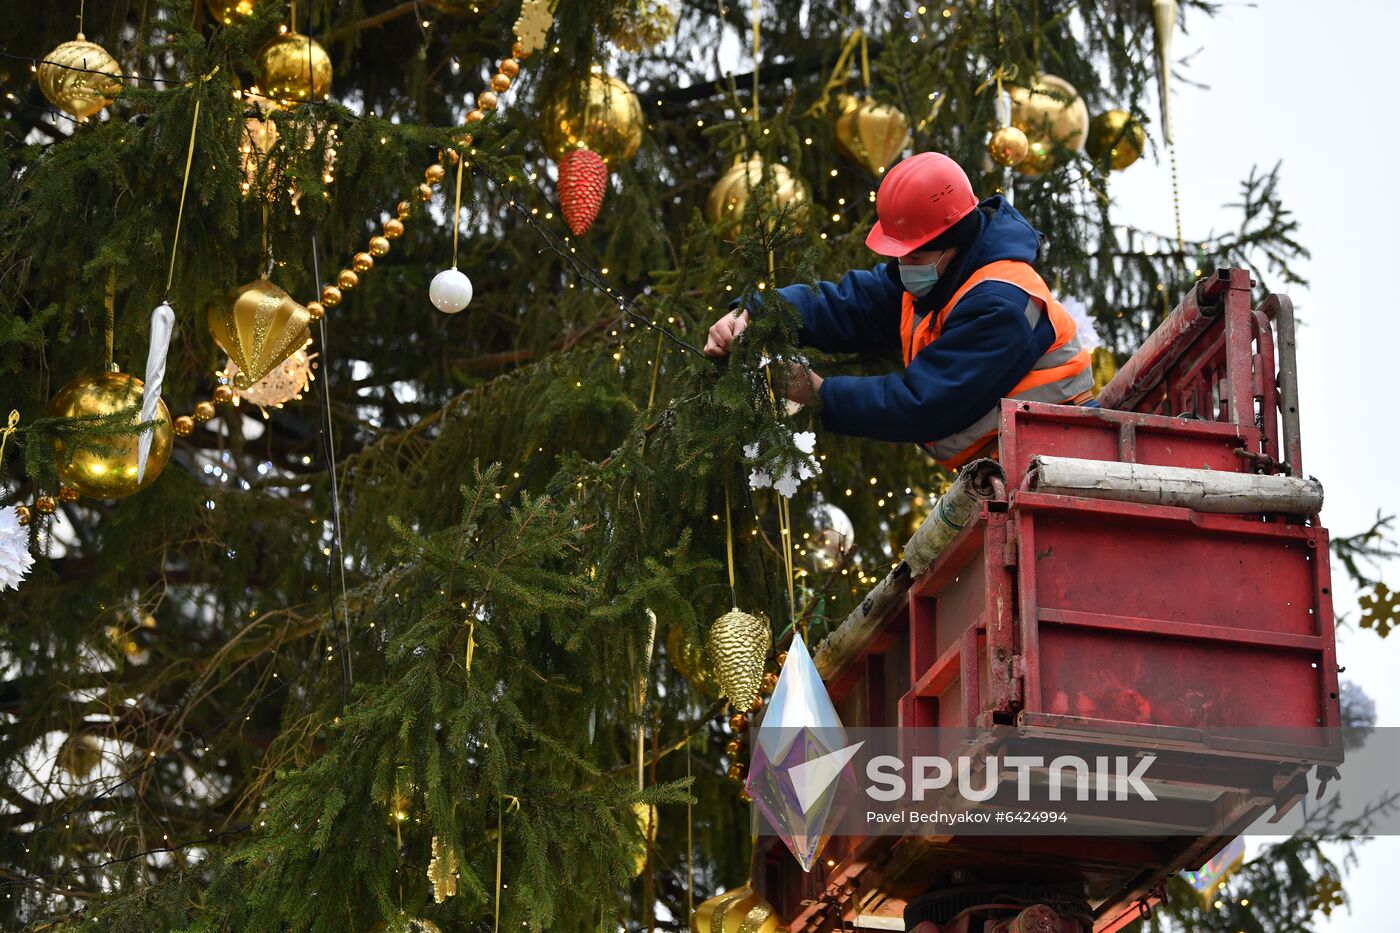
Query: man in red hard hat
pixel 960 301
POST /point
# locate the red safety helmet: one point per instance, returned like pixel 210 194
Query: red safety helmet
pixel 920 198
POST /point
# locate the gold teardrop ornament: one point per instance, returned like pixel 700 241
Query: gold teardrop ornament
pixel 872 134
pixel 259 328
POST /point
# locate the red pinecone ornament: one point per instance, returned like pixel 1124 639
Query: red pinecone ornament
pixel 583 180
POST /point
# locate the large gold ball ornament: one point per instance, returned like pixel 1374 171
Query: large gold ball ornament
pixel 738 910
pixel 1008 147
pixel 642 25
pixel 106 469
pixel 294 67
pixel 727 199
pixel 1051 114
pixel 871 134
pixel 259 327
pixel 646 816
pixel 600 113
pixel 1116 138
pixel 79 77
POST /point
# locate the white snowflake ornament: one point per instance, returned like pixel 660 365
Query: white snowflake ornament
pixel 15 559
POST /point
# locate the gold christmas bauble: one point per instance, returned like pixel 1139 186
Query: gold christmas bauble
pixel 739 643
pixel 393 229
pixel 258 328
pixel 108 469
pixel 739 910
pixel 184 425
pixel 1008 146
pixel 641 24
pixel 229 12
pixel 347 279
pixel 600 113
pixel 1051 113
pixel 203 412
pixel 689 658
pixel 330 296
pixel 293 67
pixel 872 134
pixel 79 77
pixel 363 262
pixel 646 816
pixel 1116 138
pixel 379 245
pixel 727 199
pixel 468 8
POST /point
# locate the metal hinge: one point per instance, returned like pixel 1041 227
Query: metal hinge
pixel 1018 680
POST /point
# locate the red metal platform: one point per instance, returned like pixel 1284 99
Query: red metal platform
pixel 1111 624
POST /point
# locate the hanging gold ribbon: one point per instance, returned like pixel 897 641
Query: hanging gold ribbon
pixel 840 71
pixel 471 643
pixel 9 429
pixel 457 208
pixel 109 303
pixel 755 62
pixel 729 546
pixel 500 845
pixel 185 184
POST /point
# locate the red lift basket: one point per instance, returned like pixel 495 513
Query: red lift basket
pixel 1110 622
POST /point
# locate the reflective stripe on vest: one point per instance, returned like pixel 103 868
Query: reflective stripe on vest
pixel 1061 375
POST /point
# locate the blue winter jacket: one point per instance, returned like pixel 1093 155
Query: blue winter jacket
pixel 985 348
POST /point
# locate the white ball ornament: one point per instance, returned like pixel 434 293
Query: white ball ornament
pixel 451 291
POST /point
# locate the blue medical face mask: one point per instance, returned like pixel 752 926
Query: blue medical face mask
pixel 919 280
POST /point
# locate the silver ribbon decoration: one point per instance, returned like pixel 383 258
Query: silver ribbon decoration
pixel 162 326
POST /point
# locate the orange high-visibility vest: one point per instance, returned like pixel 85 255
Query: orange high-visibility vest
pixel 1061 375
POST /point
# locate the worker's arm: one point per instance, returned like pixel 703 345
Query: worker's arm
pixel 986 347
pixel 860 314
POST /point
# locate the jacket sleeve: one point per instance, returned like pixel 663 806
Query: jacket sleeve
pixel 986 347
pixel 860 314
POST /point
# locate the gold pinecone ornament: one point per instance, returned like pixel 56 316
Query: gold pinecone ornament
pixel 442 870
pixel 739 910
pixel 641 24
pixel 739 643
pixel 79 77
pixel 647 818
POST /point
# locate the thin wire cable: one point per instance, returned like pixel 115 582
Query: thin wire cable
pixel 338 544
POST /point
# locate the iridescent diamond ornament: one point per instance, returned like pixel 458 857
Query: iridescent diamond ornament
pixel 800 759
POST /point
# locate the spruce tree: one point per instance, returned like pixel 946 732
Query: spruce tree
pixel 440 596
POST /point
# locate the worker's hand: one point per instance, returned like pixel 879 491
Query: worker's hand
pixel 723 333
pixel 802 384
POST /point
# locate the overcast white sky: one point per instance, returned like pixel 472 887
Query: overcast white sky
pixel 1305 82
